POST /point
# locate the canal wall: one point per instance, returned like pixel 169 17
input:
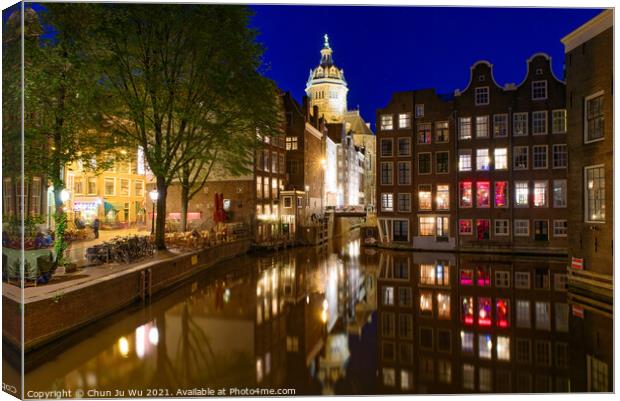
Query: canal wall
pixel 51 317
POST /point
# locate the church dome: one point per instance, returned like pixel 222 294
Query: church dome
pixel 326 68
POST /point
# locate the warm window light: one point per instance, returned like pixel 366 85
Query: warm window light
pixel 123 346
pixel 64 195
pixel 154 335
pixel 154 195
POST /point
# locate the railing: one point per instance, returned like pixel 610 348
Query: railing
pixel 592 290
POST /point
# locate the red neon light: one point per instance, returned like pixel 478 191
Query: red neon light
pixel 502 324
pixel 469 320
pixel 484 322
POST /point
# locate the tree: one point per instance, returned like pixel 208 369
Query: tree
pixel 61 96
pixel 174 73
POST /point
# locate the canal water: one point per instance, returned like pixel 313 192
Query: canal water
pixel 338 319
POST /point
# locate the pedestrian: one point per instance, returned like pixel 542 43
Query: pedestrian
pixel 96 228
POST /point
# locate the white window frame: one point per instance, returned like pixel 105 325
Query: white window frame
pixel 387 122
pixel 536 114
pixel 404 120
pixel 495 158
pixel 398 202
pixel 565 203
pixel 465 152
pixel 514 157
pixel 546 187
pixel 585 117
pixel 484 134
pixel 461 121
pixel 546 86
pixel 381 147
pixel 546 148
pixel 436 169
pixel 386 198
pixel 525 121
pixel 586 201
pixel 556 228
pixel 381 173
pixel 471 226
pixel 398 164
pixel 430 163
pixel 404 139
pixel 554 114
pixel 553 153
pixel 105 186
pixel 419 110
pixel 524 274
pixel 488 156
pixel 516 227
pixel 500 234
pixel 498 118
pixel 506 276
pixel 516 192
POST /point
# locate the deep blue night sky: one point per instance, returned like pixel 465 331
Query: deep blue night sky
pixel 389 49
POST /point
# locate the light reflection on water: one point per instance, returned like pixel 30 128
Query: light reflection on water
pixel 321 321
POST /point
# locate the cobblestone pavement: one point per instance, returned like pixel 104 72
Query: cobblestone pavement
pixel 77 249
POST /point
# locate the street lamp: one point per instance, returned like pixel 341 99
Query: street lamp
pixel 64 195
pixel 154 195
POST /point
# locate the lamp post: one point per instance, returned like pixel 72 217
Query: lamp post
pixel 154 195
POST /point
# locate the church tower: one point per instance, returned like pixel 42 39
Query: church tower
pixel 327 88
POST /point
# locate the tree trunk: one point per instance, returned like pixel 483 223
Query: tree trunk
pixel 184 206
pixel 60 222
pixel 160 221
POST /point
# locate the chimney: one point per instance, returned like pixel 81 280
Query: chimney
pixel 305 107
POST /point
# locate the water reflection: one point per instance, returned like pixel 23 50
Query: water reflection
pixel 339 319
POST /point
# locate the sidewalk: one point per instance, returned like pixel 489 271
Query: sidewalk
pixel 76 250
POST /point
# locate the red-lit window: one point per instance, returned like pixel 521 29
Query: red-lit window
pixel 483 198
pixel 502 312
pixel 465 227
pixel 467 310
pixel 483 276
pixel 483 228
pixel 501 194
pixel 484 311
pixel 465 189
pixel 467 277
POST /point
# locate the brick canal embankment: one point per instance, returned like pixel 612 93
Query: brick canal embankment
pixel 50 312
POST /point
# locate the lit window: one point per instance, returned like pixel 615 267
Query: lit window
pixel 443 197
pixel 482 127
pixel 424 163
pixel 595 194
pixel 388 296
pixel 519 124
pixel 419 110
pixel 465 194
pixel 485 346
pixel 522 280
pixel 464 160
pixel 522 228
pixel 441 132
pixel 426 303
pixel 521 193
pixel 599 375
pixel 559 193
pixel 442 162
pixel 539 156
pixel 406 379
pixel 426 226
pixel 539 123
pixel 291 143
pixel 466 277
pixel 560 228
pixel 386 147
pixel 465 227
pixel 523 314
pixel 424 133
pixel 389 377
pixel 483 198
pixel 539 90
pixel 467 310
pixel 502 312
pixel 543 315
pixel 404 146
pixel 540 193
pixel 558 121
pixel 595 118
pixel 387 202
pixel 500 125
pixel 427 274
pixel 484 311
pixel 482 96
pixel 404 173
pixel 404 120
pixel 501 158
pixel 501 193
pixel 259 370
pixel 425 197
pixel 443 305
pixel 467 341
pixel 387 123
pixel 404 202
pixel 465 128
pixel 560 156
pixel 482 229
pixel 482 159
pixel 520 157
pixel 503 348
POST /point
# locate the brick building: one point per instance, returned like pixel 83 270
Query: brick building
pixel 589 80
pixel 484 169
pixel 451 323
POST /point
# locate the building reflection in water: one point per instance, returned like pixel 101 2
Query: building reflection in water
pixel 340 319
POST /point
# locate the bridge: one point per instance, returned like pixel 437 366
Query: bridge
pixel 351 211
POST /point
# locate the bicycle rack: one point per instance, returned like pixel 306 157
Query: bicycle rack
pixel 146 284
